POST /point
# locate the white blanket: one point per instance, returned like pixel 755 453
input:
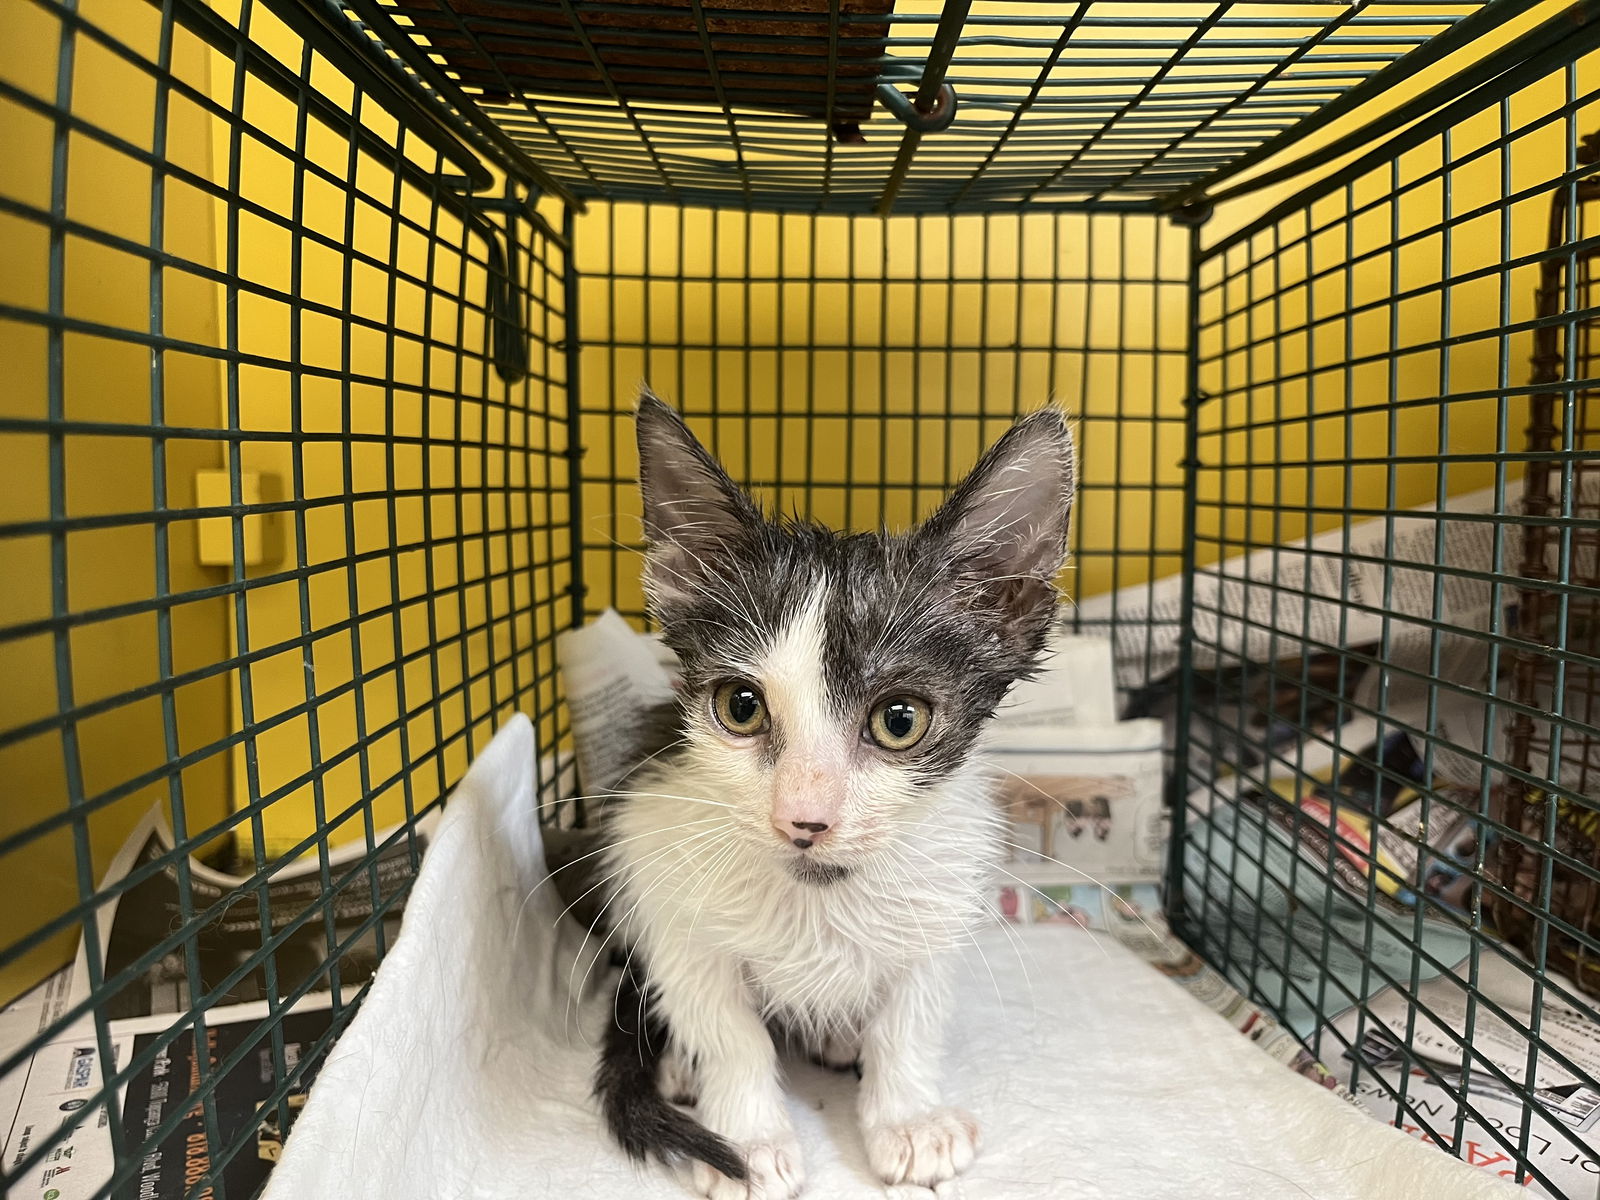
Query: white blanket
pixel 462 1075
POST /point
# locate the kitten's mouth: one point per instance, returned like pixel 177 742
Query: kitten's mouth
pixel 817 874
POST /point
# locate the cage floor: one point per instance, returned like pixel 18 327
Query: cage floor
pixel 466 1071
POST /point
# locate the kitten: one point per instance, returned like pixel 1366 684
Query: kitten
pixel 817 844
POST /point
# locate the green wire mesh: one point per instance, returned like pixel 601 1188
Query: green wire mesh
pixel 1364 359
pixel 225 259
pixel 337 244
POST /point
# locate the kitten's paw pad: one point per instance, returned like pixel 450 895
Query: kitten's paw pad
pixel 929 1150
pixel 775 1173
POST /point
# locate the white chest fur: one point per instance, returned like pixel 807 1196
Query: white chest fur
pixel 691 882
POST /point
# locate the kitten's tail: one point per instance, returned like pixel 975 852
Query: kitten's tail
pixel 639 1117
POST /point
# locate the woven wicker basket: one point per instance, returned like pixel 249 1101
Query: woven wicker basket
pixel 767 54
pixel 1564 426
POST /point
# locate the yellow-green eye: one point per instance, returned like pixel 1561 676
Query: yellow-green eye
pixel 740 708
pixel 899 723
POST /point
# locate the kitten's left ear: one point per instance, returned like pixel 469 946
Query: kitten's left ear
pixel 1005 526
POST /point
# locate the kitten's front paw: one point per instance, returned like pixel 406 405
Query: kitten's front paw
pixel 775 1173
pixel 928 1150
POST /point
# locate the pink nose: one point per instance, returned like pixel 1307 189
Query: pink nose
pixel 807 796
pixel 801 834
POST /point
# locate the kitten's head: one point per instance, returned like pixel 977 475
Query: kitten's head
pixel 833 681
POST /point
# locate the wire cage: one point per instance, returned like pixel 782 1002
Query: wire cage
pixel 322 322
pixel 1362 352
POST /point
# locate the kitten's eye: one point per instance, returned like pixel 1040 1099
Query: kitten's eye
pixel 899 724
pixel 740 708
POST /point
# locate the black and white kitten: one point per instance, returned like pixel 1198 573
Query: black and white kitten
pixel 816 845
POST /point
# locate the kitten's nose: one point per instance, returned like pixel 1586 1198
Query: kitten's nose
pixel 802 834
pixel 807 796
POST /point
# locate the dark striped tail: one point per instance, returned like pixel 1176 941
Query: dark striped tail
pixel 639 1117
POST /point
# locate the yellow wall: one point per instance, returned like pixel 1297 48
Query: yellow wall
pixel 1271 293
pixel 105 381
pixel 854 368
pixel 1288 291
pixel 770 372
pixel 709 347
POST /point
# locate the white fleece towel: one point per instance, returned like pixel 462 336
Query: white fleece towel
pixel 1093 1077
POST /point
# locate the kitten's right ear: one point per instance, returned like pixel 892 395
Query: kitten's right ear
pixel 693 512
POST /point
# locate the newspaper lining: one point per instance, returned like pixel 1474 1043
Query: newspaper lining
pixel 1337 590
pixel 1329 590
pixel 56 1083
pixel 612 676
pixel 1562 1140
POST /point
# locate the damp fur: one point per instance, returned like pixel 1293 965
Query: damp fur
pixel 805 879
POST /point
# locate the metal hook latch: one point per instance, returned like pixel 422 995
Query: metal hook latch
pixel 901 105
pixel 504 304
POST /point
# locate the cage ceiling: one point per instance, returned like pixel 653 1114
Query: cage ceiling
pixel 837 105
